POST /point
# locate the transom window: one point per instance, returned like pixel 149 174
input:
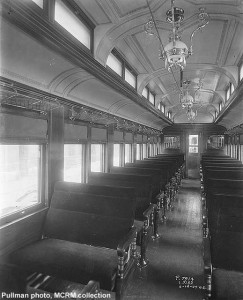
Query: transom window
pixel 151 98
pixel 20 178
pixel 130 78
pixel 120 66
pixel 220 106
pixel 67 19
pixel 114 63
pixel 39 3
pixel 145 92
pixel 241 71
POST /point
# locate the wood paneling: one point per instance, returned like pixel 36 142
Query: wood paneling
pixel 21 232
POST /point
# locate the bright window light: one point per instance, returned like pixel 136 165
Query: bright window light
pixel 128 153
pixel 114 63
pixel 73 163
pixel 66 18
pixel 20 171
pixel 241 72
pixel 145 92
pixel 39 3
pixel 97 157
pixel 151 98
pixel 130 78
pixel 116 155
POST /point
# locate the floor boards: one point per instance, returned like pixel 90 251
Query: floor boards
pixel 176 255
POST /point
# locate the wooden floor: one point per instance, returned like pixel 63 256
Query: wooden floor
pixel 175 269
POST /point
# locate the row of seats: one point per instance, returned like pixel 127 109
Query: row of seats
pixel 91 231
pixel 222 198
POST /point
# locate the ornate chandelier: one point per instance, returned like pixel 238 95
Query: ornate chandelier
pixel 186 99
pixel 191 114
pixel 175 52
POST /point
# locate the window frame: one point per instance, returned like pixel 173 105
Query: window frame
pixel 83 151
pixel 241 70
pixel 138 153
pixel 79 14
pixel 125 65
pixel 120 154
pixel 15 216
pixel 130 153
pixel 103 156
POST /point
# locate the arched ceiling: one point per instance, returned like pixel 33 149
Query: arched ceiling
pixel 217 50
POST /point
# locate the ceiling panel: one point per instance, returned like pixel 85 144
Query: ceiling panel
pixel 127 6
pixel 94 10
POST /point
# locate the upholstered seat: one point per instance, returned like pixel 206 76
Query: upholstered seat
pixel 72 261
pixel 227 285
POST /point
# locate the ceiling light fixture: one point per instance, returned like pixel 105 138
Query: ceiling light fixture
pixel 175 52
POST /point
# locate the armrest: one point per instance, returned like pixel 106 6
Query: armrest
pixel 147 213
pixel 126 241
pixel 91 287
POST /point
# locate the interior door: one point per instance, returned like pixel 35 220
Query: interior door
pixel 193 156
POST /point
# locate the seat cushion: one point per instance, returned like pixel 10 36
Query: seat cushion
pixel 226 250
pixel 68 260
pixel 227 284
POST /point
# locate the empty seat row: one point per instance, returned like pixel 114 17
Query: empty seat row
pixel 91 231
pixel 222 197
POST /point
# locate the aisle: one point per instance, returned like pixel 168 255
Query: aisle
pixel 177 256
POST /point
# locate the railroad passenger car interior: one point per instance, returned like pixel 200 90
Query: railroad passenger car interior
pixel 121 149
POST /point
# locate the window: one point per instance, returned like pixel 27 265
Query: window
pixel 215 142
pixel 130 78
pixel 193 143
pixel 172 142
pixel 73 162
pixel 97 157
pixel 151 98
pixel 128 153
pixel 161 107
pixel 145 150
pixel 66 18
pixel 169 114
pixel 138 152
pixel 232 88
pixel 151 150
pixel 220 106
pixel 145 92
pixel 228 93
pixel 20 178
pixel 114 63
pixel 117 155
pixel 241 71
pixel 215 114
pixel 39 3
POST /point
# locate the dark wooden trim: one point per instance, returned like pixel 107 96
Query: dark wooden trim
pixel 234 99
pixel 48 34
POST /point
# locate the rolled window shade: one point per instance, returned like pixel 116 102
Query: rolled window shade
pixel 118 136
pixel 241 139
pixel 74 133
pixel 98 134
pixel 19 127
pixel 145 138
pixel 128 137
